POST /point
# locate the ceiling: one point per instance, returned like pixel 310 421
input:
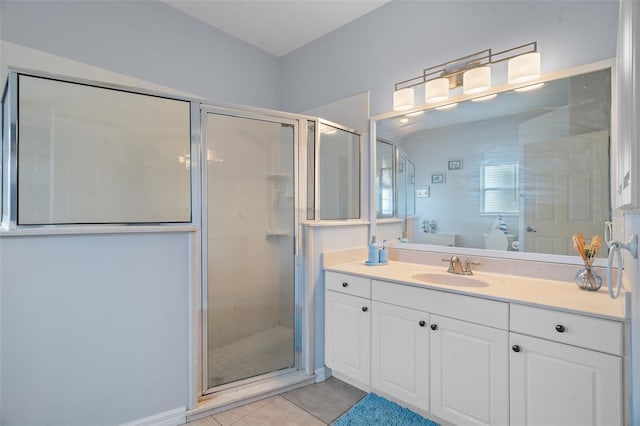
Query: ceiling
pixel 276 26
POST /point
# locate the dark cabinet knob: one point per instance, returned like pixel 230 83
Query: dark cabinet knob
pixel 422 323
pixel 434 326
pixel 515 348
pixel 365 309
pixel 560 328
pixel 345 284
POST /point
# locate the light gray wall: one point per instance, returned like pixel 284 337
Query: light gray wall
pixel 396 41
pixel 95 328
pixel 148 40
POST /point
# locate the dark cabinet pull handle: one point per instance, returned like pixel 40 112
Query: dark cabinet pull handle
pixel 422 323
pixel 434 326
pixel 345 284
pixel 365 309
pixel 560 328
pixel 515 348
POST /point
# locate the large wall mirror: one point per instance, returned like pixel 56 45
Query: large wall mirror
pixel 521 171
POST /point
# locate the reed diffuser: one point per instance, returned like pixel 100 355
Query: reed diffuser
pixel 586 278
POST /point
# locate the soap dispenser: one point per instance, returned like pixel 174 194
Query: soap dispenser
pixel 384 253
pixel 374 252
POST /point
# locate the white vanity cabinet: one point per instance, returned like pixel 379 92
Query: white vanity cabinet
pixel 565 369
pixel 348 326
pixel 443 353
pixel 469 372
pixel 473 360
pixel 400 353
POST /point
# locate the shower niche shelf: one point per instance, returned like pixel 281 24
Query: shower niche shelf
pixel 278 233
pixel 278 176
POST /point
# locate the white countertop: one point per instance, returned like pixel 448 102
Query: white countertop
pixel 509 288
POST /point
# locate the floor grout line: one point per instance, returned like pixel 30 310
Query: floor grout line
pixel 307 411
pixel 273 398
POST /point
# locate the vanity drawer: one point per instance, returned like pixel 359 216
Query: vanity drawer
pixel 348 284
pixel 578 330
pixel 477 310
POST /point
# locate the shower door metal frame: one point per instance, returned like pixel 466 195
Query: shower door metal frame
pixel 301 316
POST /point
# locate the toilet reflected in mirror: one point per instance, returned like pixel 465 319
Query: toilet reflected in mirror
pixel 496 239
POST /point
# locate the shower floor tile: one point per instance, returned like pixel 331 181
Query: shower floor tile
pixel 263 352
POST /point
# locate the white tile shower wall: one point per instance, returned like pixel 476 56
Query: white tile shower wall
pixel 81 161
pixel 246 298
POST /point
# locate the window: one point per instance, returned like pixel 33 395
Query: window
pixel 499 188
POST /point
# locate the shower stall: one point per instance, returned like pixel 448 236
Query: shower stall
pixel 249 222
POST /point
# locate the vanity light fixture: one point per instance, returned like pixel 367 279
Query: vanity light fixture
pixel 476 80
pixel 472 72
pixel 524 68
pixel 404 120
pixel 403 99
pixel 436 90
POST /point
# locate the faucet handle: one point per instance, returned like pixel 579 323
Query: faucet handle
pixel 467 267
pixel 450 270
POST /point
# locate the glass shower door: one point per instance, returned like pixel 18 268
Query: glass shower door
pixel 248 247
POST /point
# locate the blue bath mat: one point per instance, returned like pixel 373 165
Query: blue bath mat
pixel 373 410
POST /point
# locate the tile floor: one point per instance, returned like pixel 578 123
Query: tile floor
pixel 314 405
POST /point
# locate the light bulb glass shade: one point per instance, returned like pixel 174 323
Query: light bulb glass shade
pixel 485 98
pixel 529 88
pixel 403 99
pixel 446 107
pixel 476 80
pixel 524 68
pixel 436 90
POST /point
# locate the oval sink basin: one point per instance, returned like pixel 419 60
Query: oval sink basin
pixel 450 279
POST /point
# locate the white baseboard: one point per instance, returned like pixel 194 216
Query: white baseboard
pixel 322 374
pixel 168 418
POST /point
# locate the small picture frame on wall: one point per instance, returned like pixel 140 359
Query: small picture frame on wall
pixel 422 191
pixel 455 164
pixel 437 177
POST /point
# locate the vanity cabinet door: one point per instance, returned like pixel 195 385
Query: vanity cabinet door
pixel 469 372
pixel 348 335
pixel 400 353
pixel 557 384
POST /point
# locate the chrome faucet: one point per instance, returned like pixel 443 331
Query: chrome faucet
pixel 455 266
